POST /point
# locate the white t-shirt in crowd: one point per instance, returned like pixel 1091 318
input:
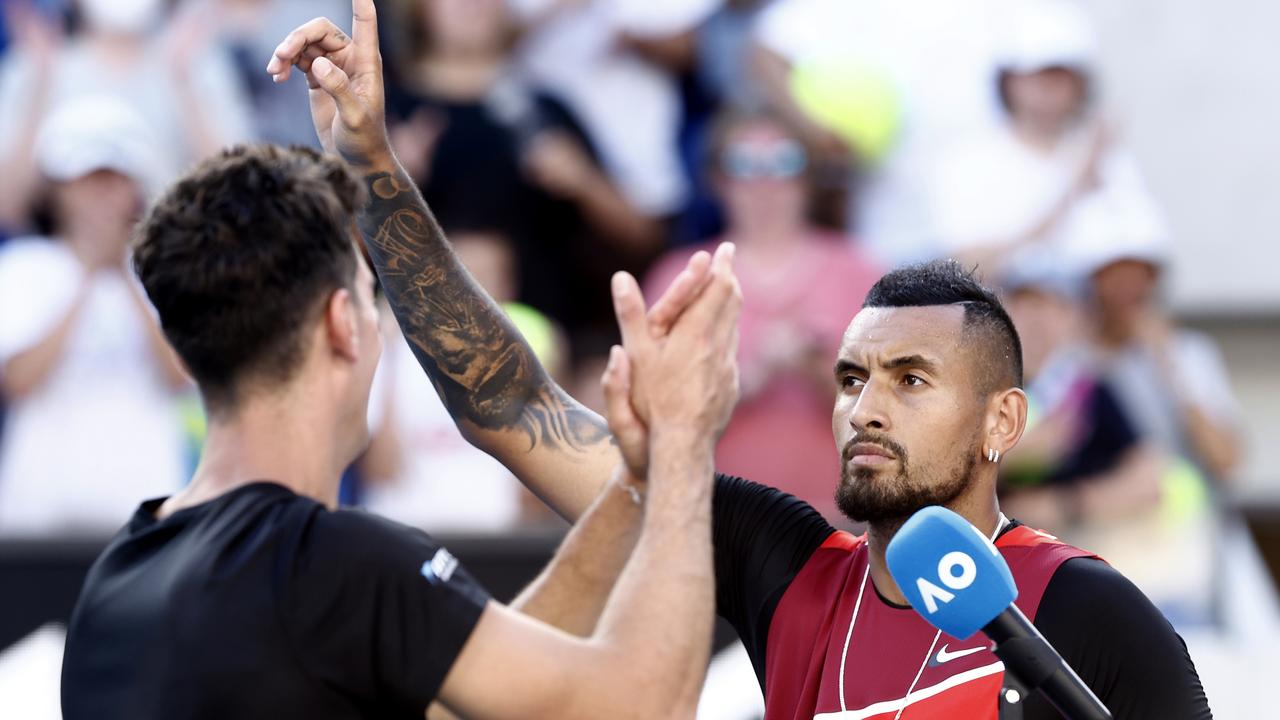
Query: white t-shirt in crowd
pixel 1148 399
pixel 445 483
pixel 939 55
pixel 102 433
pixel 630 107
pixel 994 188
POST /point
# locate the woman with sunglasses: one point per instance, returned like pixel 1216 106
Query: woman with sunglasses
pixel 800 284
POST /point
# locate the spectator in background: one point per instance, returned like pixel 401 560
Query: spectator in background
pixel 1171 381
pixel 1080 459
pixel 883 87
pixel 1017 188
pixel 161 64
pixel 419 470
pixel 800 286
pixel 487 147
pixel 90 379
pixel 1173 386
pixel 617 63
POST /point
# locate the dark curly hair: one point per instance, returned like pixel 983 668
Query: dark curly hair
pixel 239 253
pixel 945 282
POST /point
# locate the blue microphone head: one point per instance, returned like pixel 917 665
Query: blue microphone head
pixel 950 572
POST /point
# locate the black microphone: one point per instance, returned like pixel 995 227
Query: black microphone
pixel 957 581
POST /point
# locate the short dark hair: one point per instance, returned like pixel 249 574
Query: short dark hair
pixel 945 282
pixel 239 253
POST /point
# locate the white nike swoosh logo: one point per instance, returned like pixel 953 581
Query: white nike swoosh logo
pixel 944 656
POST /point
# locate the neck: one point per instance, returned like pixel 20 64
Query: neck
pixel 1114 332
pixel 771 236
pixel 285 439
pixel 1038 136
pixel 117 49
pixel 93 232
pixel 461 75
pixel 983 513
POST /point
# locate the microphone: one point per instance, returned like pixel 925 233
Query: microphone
pixel 955 578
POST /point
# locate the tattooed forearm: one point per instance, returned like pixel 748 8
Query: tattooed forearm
pixel 483 369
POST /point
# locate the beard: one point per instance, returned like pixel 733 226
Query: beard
pixel 871 496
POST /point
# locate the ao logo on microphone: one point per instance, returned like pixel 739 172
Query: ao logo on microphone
pixel 950 572
pixel 956 570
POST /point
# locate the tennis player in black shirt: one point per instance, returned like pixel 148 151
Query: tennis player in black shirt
pixel 249 594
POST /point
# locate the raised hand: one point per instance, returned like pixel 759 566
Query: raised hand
pixel 680 358
pixel 348 105
pixel 629 431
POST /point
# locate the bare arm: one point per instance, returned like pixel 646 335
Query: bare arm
pixel 1217 444
pixel 503 401
pixel 773 72
pixel 572 591
pixel 561 166
pixel 38 40
pixel 646 658
pixel 487 375
pixel 649 651
pixel 674 53
pixel 28 370
pixel 673 554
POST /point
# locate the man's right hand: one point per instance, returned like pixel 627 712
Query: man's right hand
pixel 348 105
pixel 682 370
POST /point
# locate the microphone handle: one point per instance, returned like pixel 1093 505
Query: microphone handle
pixel 1033 660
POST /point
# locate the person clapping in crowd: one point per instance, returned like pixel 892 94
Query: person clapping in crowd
pixel 88 375
pixel 1019 187
pixel 159 61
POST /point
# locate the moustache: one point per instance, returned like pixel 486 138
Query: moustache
pixel 881 441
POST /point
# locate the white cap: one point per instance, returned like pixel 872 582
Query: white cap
pixel 1100 233
pixel 1040 34
pixel 97 132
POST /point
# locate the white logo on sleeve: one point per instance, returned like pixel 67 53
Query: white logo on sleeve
pixel 440 568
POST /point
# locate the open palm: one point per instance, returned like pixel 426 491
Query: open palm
pixel 345 76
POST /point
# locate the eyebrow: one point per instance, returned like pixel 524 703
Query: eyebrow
pixel 911 361
pixel 844 366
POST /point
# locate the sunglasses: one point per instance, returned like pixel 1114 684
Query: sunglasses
pixel 751 161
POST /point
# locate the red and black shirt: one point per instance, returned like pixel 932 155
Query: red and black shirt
pixel 790 583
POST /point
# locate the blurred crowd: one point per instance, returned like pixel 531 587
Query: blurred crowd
pixel 560 140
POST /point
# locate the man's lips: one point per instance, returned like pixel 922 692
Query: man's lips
pixel 867 454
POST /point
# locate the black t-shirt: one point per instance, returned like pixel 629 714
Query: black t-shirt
pixel 1107 434
pixel 1101 624
pixel 264 604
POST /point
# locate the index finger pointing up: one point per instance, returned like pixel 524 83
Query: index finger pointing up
pixel 364 25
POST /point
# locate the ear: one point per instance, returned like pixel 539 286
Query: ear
pixel 1006 420
pixel 341 327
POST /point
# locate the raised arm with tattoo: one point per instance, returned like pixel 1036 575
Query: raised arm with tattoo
pixel 648 650
pixel 489 379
